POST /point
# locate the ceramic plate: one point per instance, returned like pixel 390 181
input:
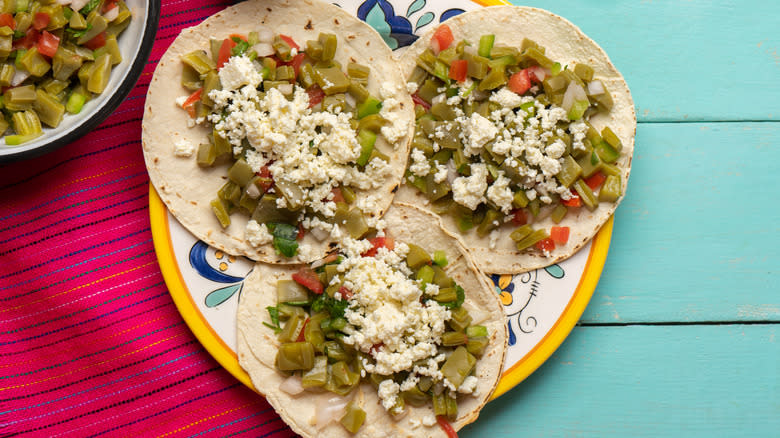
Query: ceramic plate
pixel 542 306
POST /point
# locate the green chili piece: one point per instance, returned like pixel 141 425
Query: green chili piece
pixel 611 190
pixel 317 376
pixel 356 224
pixel 99 76
pixel 531 239
pixel 460 319
pixel 49 109
pixel 584 72
pixel 220 210
pixel 611 138
pixel 458 366
pixel 440 258
pixel 199 61
pixel 425 274
pixel 370 106
pixel 570 171
pixel 486 45
pixel 558 213
pixel 75 102
pixel 19 98
pixel 353 418
pixel 586 194
pixel 417 256
pixel 607 152
pixel 329 42
pixel 294 356
pixel 34 62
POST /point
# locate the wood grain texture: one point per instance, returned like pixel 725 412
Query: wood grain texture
pixel 697 237
pixel 688 60
pixel 691 381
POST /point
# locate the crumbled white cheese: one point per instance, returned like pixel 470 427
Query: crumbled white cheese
pixel 239 71
pixel 500 193
pixel 396 128
pixel 420 166
pixel 469 385
pixel 469 191
pixel 494 235
pixel 441 173
pixel 478 131
pixel 411 87
pixel 257 234
pixel 429 420
pixel 183 148
pixel 506 98
pixel 181 99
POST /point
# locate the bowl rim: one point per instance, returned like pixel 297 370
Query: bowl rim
pixel 91 122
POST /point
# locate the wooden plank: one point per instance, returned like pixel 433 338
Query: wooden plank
pixel 692 381
pixel 694 60
pixel 697 237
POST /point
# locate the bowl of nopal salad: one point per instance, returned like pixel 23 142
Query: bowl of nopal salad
pixel 65 66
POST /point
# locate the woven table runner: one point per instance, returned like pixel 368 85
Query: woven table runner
pixel 91 343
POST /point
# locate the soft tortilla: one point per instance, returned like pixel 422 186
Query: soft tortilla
pixel 566 44
pixel 186 188
pixel 257 344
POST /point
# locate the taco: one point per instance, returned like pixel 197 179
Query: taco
pixel 428 339
pixel 273 120
pixel 524 135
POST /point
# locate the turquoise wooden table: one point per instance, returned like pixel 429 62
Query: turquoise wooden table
pixel 680 337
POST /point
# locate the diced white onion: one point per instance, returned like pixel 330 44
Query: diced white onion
pixel 19 77
pixel 328 410
pixel 595 88
pixel 573 93
pixel 263 49
pixel 286 89
pixel 253 191
pixel 78 4
pixel 471 50
pixel 111 14
pixel 265 35
pixel 292 385
pixel 435 46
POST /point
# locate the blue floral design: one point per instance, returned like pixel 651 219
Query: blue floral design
pixel 201 265
pixel 395 30
pixel 449 13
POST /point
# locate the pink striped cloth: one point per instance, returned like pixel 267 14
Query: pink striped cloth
pixel 90 342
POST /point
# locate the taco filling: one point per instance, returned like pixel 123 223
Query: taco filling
pixel 382 312
pixel 298 130
pixel 503 139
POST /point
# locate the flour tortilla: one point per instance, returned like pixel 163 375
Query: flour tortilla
pixel 257 344
pixel 186 188
pixel 564 42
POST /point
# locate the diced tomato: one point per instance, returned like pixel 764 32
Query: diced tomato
pixel 41 20
pixel 315 95
pixel 375 348
pixel 302 334
pixel 559 234
pixel 574 201
pixel 520 82
pixel 595 180
pixel 345 293
pixel 536 73
pixel 108 5
pixel 442 38
pixel 379 242
pixel 458 70
pixel 337 195
pixel 289 41
pixel 419 101
pixel 264 172
pixel 330 258
pixel 194 97
pixel 296 62
pixel 519 217
pixel 309 279
pixel 224 52
pixel 7 19
pixel 446 426
pixel 545 245
pixel 28 40
pixel 48 44
pixel 301 232
pixel 97 42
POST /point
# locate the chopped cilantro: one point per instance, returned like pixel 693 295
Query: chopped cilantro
pixel 274 313
pixel 284 239
pixel 92 4
pixel 240 48
pixel 333 306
